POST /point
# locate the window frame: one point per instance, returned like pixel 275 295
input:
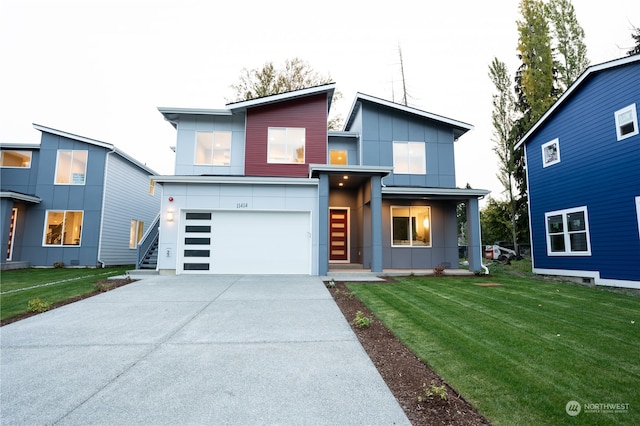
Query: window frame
pixel 63 231
pixel 17 151
pixel 408 156
pixel 212 156
pixel 549 162
pixel 634 119
pixel 410 231
pixel 566 232
pixel 71 173
pixel 287 150
pixel 136 232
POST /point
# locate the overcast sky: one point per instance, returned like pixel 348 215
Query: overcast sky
pixel 100 68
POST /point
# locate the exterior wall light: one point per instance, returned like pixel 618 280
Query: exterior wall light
pixel 170 216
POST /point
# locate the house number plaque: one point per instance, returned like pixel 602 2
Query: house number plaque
pixel 242 205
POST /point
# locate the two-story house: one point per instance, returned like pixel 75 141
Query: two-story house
pixel 583 177
pixel 262 187
pixel 72 200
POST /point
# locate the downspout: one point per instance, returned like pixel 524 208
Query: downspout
pixel 104 201
pixel 482 265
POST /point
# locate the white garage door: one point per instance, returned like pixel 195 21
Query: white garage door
pixel 246 242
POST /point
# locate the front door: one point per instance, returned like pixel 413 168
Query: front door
pixel 339 235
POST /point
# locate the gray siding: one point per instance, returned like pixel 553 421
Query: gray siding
pixel 186 142
pixel 126 197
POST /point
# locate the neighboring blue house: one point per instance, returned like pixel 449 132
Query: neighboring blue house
pixel 583 177
pixel 73 200
pixel 261 186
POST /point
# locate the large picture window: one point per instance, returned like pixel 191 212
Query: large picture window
pixel 71 167
pixel 409 158
pixel 213 148
pixel 411 226
pixel 568 232
pixel 63 228
pixel 20 159
pixel 286 145
pixel 626 122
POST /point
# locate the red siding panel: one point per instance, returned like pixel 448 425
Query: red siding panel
pixel 309 112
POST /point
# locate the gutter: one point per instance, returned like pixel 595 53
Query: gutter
pixel 104 201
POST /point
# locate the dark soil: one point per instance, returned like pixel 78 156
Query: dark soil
pixel 101 287
pixel 404 373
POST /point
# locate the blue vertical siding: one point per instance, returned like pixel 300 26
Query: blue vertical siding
pixel 596 170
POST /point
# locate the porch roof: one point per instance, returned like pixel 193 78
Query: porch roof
pixel 433 193
pixel 316 169
pixel 18 196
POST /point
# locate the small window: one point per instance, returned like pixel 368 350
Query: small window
pixel 71 167
pixel 152 187
pixel 568 232
pixel 411 226
pixel 337 156
pixel 213 148
pixel 18 159
pixel 63 228
pixel 136 231
pixel 286 145
pixel 626 122
pixel 409 158
pixel 551 153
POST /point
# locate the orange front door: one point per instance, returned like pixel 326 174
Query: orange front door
pixel 338 234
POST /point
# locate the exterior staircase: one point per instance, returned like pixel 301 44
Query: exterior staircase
pixel 150 259
pixel 148 247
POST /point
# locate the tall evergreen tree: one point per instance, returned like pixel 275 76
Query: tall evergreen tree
pixel 571 51
pixel 636 36
pixel 503 119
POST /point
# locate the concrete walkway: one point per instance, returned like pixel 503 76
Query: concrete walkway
pixel 200 350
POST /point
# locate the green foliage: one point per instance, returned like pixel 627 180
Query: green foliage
pixel 361 320
pixel 433 390
pixel 496 221
pixel 331 283
pixel 54 285
pixel 635 35
pixel 58 265
pixel 521 350
pixel 38 305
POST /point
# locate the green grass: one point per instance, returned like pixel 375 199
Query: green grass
pixel 520 351
pixel 68 283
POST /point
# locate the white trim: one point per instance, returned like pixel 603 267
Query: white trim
pixel 239 180
pixel 565 232
pixel 213 141
pixel 287 146
pixel 348 209
pixel 638 213
pixel 408 157
pixel 551 161
pixel 634 119
pixel 30 152
pixel 411 241
pixel 595 275
pixel 449 192
pixel 86 166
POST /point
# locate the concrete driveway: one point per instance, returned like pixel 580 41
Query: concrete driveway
pixel 220 350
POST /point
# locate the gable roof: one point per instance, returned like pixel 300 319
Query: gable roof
pixel 95 142
pixel 588 73
pixel 286 96
pixel 459 127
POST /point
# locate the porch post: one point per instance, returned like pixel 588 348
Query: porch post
pixel 376 224
pixel 323 225
pixel 474 242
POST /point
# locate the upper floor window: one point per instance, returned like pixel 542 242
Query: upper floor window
pixel 136 231
pixel 286 145
pixel 71 167
pixel 409 158
pixel 411 226
pixel 63 228
pixel 551 153
pixel 568 232
pixel 626 122
pixel 20 159
pixel 337 156
pixel 213 148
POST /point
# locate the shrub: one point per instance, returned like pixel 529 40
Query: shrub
pixel 433 390
pixel 439 270
pixel 58 265
pixel 38 305
pixel 361 320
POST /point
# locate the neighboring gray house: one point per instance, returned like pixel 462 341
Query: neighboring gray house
pixel 73 200
pixel 261 187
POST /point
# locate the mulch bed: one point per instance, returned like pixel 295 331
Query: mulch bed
pixel 404 373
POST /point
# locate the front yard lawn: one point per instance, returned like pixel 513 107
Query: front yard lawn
pixel 50 285
pixel 521 348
